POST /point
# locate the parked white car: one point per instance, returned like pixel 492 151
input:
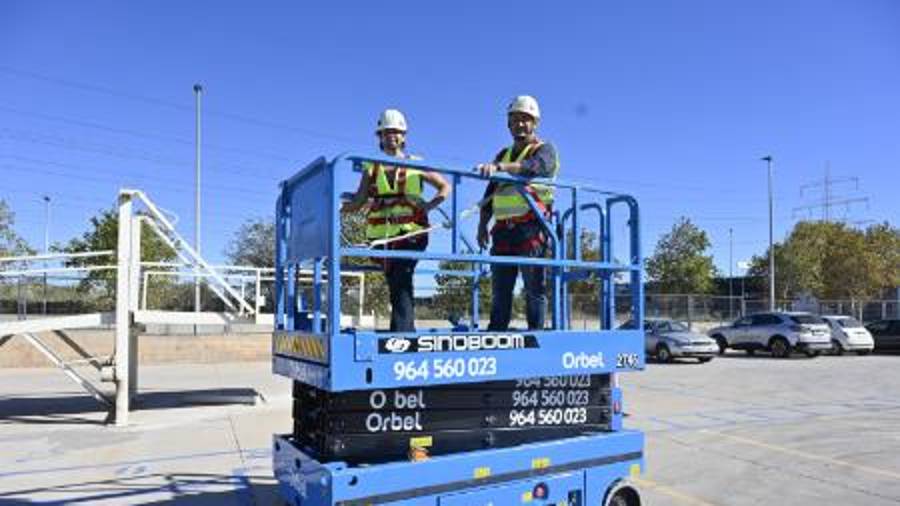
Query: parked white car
pixel 668 339
pixel 779 333
pixel 848 334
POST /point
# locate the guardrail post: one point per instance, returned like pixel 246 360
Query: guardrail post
pixel 134 283
pixel 123 315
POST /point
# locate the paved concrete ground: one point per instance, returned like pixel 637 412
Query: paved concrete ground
pixel 736 431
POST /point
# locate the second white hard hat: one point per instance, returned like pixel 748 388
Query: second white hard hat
pixel 391 119
pixel 526 104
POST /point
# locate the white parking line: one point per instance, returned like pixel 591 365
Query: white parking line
pixel 806 455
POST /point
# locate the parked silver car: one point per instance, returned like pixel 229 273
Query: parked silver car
pixel 669 339
pixel 848 334
pixel 779 333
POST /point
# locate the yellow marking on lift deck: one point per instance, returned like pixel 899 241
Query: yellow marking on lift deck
pixel 421 442
pixel 301 345
pixel 481 472
pixel 541 463
pixel 809 456
pixel 671 492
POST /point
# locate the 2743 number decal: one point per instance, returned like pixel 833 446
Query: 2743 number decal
pixel 627 361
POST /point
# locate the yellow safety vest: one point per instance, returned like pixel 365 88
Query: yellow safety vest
pixel 397 209
pixel 508 203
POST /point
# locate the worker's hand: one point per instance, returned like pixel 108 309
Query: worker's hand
pixel 488 169
pixel 484 238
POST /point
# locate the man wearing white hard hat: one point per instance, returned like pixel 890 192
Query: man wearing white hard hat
pixel 396 211
pixel 517 231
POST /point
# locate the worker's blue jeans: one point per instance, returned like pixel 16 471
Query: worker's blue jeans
pixel 399 274
pixel 503 281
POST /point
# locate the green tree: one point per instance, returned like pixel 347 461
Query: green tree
pixel 253 244
pixel 883 243
pixel 834 261
pixel 679 263
pixel 11 244
pixel 104 235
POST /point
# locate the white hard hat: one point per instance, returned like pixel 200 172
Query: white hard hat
pixel 526 104
pixel 391 119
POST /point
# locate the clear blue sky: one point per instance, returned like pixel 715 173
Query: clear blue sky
pixel 672 101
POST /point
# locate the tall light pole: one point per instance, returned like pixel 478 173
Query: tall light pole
pixel 46 243
pixel 768 160
pixel 198 91
pixel 730 273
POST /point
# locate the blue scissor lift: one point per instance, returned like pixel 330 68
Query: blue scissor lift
pixel 590 468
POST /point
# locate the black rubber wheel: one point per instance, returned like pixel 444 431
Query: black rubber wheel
pixel 812 354
pixel 863 353
pixel 780 347
pixel 618 500
pixel 663 354
pixel 704 360
pixel 625 497
pixel 836 347
pixel 750 352
pixel 723 344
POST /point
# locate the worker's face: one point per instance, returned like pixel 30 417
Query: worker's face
pixel 521 125
pixel 392 140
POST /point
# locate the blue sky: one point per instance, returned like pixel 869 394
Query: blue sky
pixel 672 101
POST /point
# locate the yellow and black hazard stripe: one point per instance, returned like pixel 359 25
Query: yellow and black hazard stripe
pixel 305 346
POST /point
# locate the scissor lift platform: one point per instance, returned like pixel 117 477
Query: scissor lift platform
pixel 506 459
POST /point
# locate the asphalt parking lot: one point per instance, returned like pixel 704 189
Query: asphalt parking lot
pixel 737 431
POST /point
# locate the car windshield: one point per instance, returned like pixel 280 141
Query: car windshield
pixel 678 327
pixel 806 319
pixel 850 323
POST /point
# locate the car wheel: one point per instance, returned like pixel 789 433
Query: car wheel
pixel 863 353
pixel 704 360
pixel 812 353
pixel 663 353
pixel 780 347
pixel 723 344
pixel 750 352
pixel 836 346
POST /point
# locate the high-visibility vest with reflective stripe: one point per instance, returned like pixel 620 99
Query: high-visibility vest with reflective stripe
pixel 397 209
pixel 508 203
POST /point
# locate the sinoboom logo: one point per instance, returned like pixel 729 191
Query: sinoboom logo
pixel 583 360
pixel 472 342
pixel 397 345
pixel 461 342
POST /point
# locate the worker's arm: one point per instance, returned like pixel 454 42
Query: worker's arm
pixel 361 197
pixel 484 217
pixel 543 163
pixel 440 184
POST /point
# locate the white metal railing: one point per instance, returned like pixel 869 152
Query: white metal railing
pixel 56 256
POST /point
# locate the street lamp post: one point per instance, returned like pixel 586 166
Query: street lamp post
pixel 768 160
pixel 730 273
pixel 46 244
pixel 198 91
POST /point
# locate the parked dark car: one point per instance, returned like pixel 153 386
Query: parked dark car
pixel 886 334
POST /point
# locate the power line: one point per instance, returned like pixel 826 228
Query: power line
pixel 140 134
pixel 73 144
pixel 175 184
pixel 171 104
